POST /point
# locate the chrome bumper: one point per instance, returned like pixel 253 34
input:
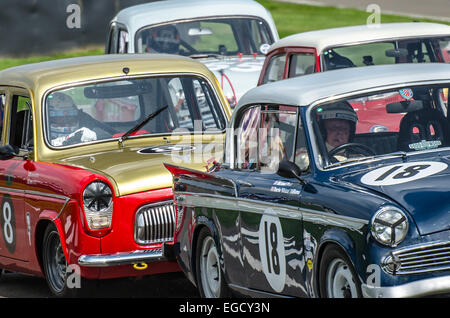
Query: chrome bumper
pixel 421 288
pixel 106 260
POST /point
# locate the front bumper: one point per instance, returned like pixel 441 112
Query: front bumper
pixel 421 288
pixel 140 256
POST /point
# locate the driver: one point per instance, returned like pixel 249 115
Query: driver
pixel 64 123
pixel 338 124
pixel 165 39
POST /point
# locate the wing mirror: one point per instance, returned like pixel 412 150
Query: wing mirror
pixel 8 152
pixel 288 169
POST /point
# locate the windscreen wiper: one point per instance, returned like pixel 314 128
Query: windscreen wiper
pixel 139 125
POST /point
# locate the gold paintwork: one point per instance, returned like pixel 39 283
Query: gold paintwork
pixel 129 171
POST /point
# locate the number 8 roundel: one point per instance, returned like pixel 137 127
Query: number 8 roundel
pixel 271 250
pixel 8 223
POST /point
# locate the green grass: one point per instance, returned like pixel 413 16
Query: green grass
pixel 294 18
pixel 290 18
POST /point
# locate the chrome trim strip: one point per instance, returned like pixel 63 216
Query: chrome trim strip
pixel 106 260
pixel 247 205
pixel 425 287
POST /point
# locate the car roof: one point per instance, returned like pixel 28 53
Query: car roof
pixel 157 12
pixel 45 75
pixel 323 39
pixel 307 89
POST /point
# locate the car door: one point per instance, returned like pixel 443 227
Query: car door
pixel 271 221
pixel 15 224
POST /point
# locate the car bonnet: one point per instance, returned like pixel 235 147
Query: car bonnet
pixel 420 186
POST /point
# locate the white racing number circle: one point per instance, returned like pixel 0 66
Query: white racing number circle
pixel 8 223
pixel 403 172
pixel 271 250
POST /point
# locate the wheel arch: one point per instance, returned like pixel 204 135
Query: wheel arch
pixel 342 241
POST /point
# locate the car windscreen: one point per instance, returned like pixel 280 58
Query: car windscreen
pixel 419 50
pixel 396 122
pixel 221 36
pixel 108 110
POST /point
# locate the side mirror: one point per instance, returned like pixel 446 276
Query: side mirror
pixel 8 152
pixel 288 169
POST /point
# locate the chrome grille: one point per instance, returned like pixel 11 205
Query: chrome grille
pixel 419 259
pixel 155 223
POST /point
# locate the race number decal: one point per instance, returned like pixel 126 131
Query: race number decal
pixel 8 223
pixel 403 172
pixel 271 250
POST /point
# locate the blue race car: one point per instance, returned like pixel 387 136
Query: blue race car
pixel 312 201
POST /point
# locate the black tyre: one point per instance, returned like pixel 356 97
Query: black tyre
pixel 337 277
pixel 210 278
pixel 55 265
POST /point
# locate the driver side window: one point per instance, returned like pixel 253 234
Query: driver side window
pixel 21 127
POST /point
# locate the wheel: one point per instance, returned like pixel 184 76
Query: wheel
pixel 210 278
pixel 55 265
pixel 337 277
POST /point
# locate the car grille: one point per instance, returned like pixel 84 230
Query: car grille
pixel 419 259
pixel 155 223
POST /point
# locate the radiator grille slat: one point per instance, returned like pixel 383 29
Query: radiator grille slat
pixel 155 223
pixel 423 258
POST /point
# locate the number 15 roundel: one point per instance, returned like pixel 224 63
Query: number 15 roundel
pixel 403 172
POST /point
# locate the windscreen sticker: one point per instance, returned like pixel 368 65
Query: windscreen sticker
pixel 406 93
pixel 271 250
pixel 401 173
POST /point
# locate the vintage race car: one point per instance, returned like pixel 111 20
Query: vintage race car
pixel 356 46
pixel 83 188
pixel 292 212
pixel 230 37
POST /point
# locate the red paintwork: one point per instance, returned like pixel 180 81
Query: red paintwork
pixel 34 179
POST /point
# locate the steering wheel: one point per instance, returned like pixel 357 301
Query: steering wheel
pixel 354 148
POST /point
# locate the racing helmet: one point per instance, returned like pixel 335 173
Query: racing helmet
pixel 62 115
pixel 338 110
pixel 165 39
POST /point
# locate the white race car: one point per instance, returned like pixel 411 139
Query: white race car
pixel 230 37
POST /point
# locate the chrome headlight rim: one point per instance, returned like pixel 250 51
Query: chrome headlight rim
pixel 394 241
pixel 97 200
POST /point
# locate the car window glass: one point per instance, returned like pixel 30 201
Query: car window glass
pixel 113 39
pixel 107 110
pixel 405 120
pixel 2 112
pixel 123 41
pixel 246 135
pixel 276 136
pixel 275 69
pixel 222 36
pixel 301 64
pixel 21 124
pixel 444 45
pixel 301 150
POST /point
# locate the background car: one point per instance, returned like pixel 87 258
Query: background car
pixel 230 37
pixel 83 188
pixel 357 46
pixel 289 213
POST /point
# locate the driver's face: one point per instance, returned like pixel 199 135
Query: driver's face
pixel 338 132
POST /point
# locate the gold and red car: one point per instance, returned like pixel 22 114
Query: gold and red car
pixel 83 189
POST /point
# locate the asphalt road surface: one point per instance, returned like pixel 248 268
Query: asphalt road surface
pixel 173 285
pixel 433 9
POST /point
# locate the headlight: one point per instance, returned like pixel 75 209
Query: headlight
pixel 389 226
pixel 98 205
